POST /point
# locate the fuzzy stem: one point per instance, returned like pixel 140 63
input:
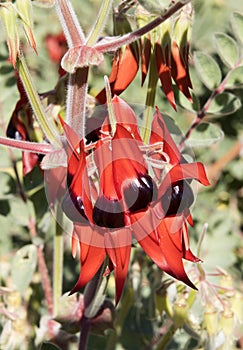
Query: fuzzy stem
pixel 150 100
pixel 130 37
pixel 70 24
pixel 58 261
pixel 76 100
pixel 99 22
pixel 42 148
pixel 48 127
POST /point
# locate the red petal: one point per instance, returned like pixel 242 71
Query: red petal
pixel 55 181
pixel 92 253
pixel 118 247
pixel 179 72
pixel 160 133
pixel 126 117
pixel 172 255
pixel 127 158
pixel 145 57
pixel 184 171
pixel 121 76
pixel 143 227
pixel 164 72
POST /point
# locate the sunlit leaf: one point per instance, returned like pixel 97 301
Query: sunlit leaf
pixel 23 267
pixel 237 25
pixel 235 78
pixel 205 134
pixel 208 70
pixel 227 48
pixel 224 104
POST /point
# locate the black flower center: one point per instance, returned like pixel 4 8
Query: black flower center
pixel 73 207
pixel 139 193
pixel 108 213
pixel 177 198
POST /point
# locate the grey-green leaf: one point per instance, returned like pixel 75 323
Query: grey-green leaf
pixel 227 49
pixel 208 70
pixel 23 267
pixel 205 134
pixel 237 25
pixel 224 104
pixel 235 79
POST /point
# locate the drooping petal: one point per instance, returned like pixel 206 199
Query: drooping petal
pixel 171 253
pixel 164 72
pixel 143 227
pixel 180 72
pixel 121 76
pixel 184 171
pixel 145 57
pixel 118 248
pixel 92 253
pixel 160 133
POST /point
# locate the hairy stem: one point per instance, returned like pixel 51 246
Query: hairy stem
pixel 42 148
pixel 70 24
pixel 100 22
pixel 130 37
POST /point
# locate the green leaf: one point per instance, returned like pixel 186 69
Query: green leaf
pixel 224 104
pixel 23 267
pixel 235 79
pixel 49 346
pixel 237 25
pixel 227 49
pixel 205 134
pixel 208 70
pixel 184 103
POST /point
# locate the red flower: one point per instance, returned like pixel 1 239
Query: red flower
pixel 127 199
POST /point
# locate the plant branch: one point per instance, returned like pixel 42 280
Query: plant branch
pixel 57 261
pixel 42 268
pixel 99 22
pixel 36 147
pixel 203 112
pixel 117 42
pixel 70 24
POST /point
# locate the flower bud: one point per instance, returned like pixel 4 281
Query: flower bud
pixel 211 321
pixel 180 312
pixel 9 18
pixel 24 10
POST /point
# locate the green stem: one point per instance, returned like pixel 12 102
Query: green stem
pixel 47 125
pixel 126 303
pixel 166 338
pixel 58 261
pixel 99 22
pixel 150 100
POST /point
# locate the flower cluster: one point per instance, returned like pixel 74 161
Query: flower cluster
pixel 119 187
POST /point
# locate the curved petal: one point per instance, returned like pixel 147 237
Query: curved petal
pixel 118 247
pixel 172 255
pixel 160 133
pixel 164 72
pixel 184 171
pixel 121 77
pixel 180 72
pixel 92 253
